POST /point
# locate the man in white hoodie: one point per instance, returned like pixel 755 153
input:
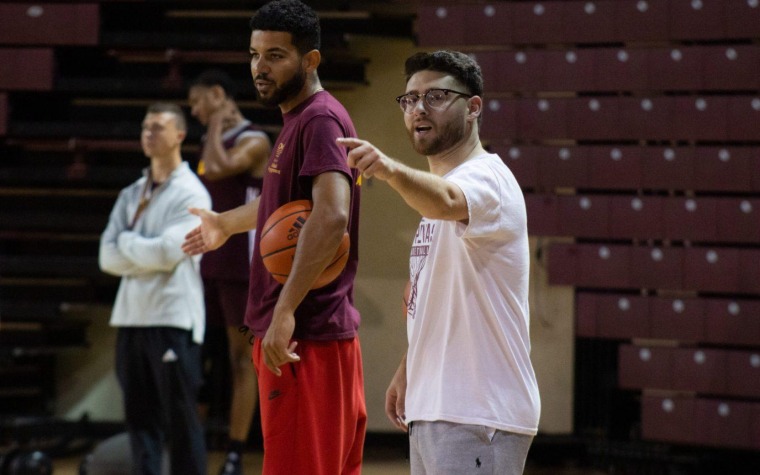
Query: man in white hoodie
pixel 465 390
pixel 159 311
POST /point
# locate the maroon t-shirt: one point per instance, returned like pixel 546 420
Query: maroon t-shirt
pixel 230 262
pixel 304 149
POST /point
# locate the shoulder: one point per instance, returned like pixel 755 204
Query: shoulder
pixel 487 165
pixel 325 105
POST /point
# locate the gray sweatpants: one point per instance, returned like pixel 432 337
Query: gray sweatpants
pixel 446 448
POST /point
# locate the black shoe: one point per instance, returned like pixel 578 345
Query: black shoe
pixel 232 465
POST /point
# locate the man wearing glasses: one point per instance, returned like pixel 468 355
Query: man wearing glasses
pixel 465 391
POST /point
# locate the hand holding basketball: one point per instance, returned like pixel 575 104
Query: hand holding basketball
pixel 279 238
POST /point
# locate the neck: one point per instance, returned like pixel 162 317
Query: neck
pixel 161 168
pixel 233 121
pixel 310 88
pixel 446 161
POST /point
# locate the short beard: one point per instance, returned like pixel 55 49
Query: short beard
pixel 451 133
pixel 288 90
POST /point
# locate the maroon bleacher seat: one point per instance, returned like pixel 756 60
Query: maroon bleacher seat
pixel 689 218
pixel 646 118
pixel 749 271
pixel 487 24
pixel 541 119
pixel 522 71
pixel 537 22
pixel 724 168
pixel 441 25
pixel 637 20
pixel 542 214
pixel 675 68
pixel 667 168
pixel 697 20
pixel 731 67
pixel 732 321
pixel 743 115
pixel 743 374
pixel 699 370
pixel 680 319
pixel 585 315
pixel 489 62
pixel 620 69
pixel 711 269
pixel 588 21
pixel 700 118
pixel 567 70
pixel 636 217
pixel 617 168
pixel 742 19
pixel 28 69
pixel 594 118
pixel 738 220
pixel 563 259
pixel 523 161
pixel 640 367
pixel 499 119
pixel 622 316
pixel 657 267
pixel 724 423
pixel 583 216
pixel 604 266
pixel 49 23
pixel 669 419
pixel 563 167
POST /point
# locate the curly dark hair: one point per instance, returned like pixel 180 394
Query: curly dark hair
pixel 215 77
pixel 463 68
pixel 290 16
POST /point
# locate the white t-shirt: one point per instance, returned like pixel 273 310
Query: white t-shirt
pixel 468 316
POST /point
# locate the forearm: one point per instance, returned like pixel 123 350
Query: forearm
pixel 430 195
pixel 155 254
pixel 241 219
pixel 214 156
pixel 113 262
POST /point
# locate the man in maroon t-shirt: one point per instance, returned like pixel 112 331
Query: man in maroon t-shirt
pixel 306 348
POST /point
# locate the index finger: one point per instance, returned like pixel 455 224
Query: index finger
pixel 350 142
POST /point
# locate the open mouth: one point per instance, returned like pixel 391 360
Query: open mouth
pixel 422 129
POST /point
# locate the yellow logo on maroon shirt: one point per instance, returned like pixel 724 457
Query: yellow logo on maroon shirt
pixel 201 168
pixel 274 167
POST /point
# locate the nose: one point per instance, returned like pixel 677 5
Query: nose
pixel 419 106
pixel 258 66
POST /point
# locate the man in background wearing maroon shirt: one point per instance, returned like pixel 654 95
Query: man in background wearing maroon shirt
pixel 232 161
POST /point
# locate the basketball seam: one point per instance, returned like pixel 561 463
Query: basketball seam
pixel 278 251
pixel 273 225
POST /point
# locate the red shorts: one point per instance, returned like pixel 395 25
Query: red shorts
pixel 314 416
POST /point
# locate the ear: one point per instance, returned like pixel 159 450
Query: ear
pixel 475 107
pixel 217 95
pixel 311 60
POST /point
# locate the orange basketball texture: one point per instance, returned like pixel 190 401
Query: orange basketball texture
pixel 279 238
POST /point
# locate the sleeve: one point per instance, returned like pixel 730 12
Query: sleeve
pixel 163 252
pixel 485 199
pixel 321 152
pixel 110 258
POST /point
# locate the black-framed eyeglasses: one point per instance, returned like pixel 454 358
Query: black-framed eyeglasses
pixel 434 98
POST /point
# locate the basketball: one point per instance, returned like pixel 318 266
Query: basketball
pixel 279 238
